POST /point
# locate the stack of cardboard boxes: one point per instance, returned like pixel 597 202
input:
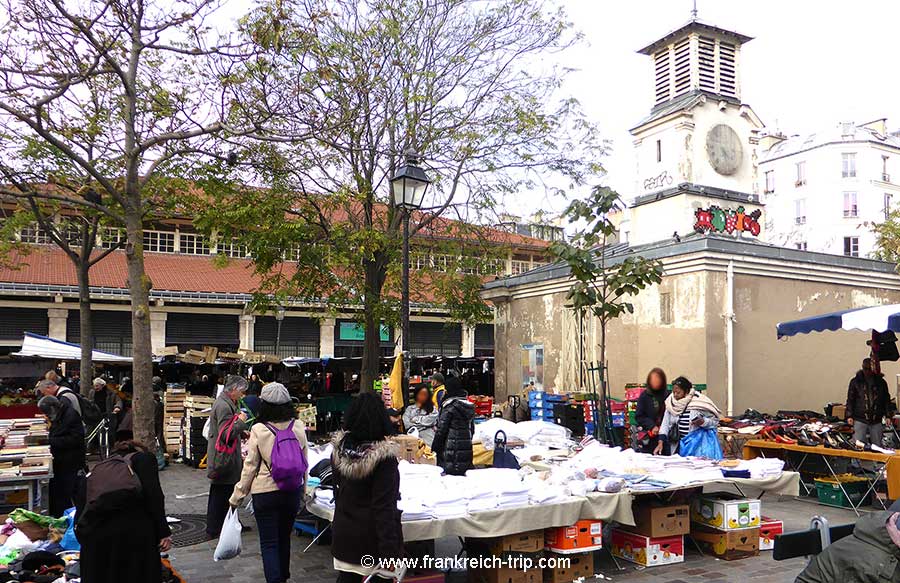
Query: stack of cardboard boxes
pixel 522 545
pixel 729 526
pixel 657 538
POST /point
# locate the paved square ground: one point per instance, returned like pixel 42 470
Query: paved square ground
pixel 196 565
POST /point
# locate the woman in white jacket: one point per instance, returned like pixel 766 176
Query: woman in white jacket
pixel 273 507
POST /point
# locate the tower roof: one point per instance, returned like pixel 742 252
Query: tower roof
pixel 694 26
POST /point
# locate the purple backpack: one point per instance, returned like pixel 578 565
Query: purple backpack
pixel 289 465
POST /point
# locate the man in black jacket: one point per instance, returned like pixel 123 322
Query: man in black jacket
pixel 68 450
pixel 868 400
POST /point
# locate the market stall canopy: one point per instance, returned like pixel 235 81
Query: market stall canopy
pixel 37 346
pixel 876 318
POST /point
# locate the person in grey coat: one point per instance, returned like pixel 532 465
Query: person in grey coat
pixel 421 416
pixel 224 470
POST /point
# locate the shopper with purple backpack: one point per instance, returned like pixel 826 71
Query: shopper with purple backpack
pixel 274 475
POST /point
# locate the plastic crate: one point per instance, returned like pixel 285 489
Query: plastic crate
pixel 632 392
pixel 830 493
pixel 618 419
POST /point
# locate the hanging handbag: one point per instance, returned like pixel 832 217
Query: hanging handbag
pixel 503 458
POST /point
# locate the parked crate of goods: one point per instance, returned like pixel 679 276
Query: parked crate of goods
pixel 831 493
pixel 725 511
pixel 193 442
pixel 645 550
pixel 483 405
pixel 729 545
pixel 633 391
pixel 173 413
pixel 769 528
pixel 519 544
pixel 307 414
pixel 660 520
pixel 579 567
pixel 583 536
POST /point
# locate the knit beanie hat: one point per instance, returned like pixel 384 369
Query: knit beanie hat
pixel 275 394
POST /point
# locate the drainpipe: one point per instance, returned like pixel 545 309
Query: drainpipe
pixel 729 337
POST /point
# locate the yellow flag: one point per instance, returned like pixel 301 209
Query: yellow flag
pixel 397 383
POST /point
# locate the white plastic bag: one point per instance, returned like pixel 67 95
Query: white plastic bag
pixel 207 429
pixel 229 545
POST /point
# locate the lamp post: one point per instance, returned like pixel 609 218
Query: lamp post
pixel 408 188
pixel 279 318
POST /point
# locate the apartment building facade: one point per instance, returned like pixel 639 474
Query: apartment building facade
pixel 825 191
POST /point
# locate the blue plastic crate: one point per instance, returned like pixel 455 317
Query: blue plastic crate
pixel 589 428
pixel 618 419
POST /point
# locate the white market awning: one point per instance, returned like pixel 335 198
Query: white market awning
pixel 37 346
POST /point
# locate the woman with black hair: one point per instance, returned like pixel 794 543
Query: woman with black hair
pixel 275 504
pixel 421 416
pixel 686 410
pixel 453 435
pixel 122 532
pixel 367 486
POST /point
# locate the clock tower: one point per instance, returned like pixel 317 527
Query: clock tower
pixel 697 150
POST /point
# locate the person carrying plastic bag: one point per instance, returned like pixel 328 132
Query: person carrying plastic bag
pixel 687 411
pixel 274 474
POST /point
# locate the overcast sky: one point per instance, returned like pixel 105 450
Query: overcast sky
pixel 811 64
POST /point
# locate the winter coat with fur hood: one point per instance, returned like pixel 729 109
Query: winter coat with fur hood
pixel 367 488
pixel 453 435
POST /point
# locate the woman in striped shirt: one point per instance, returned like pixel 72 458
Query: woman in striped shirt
pixel 686 410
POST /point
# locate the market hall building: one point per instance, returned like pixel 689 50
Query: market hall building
pixel 697 210
pixel 196 302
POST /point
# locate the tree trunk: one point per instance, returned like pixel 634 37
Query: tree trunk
pixel 371 358
pixel 87 326
pixel 142 367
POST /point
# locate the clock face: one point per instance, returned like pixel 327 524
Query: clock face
pixel 723 148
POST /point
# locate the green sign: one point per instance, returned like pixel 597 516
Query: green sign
pixel 354 331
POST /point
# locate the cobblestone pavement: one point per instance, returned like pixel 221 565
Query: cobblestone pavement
pixel 196 565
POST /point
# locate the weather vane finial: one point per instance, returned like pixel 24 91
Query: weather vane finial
pixel 694 11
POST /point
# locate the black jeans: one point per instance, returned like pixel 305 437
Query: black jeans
pixel 275 513
pixel 62 490
pixel 217 507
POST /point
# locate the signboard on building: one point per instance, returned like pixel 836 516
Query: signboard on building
pixel 354 331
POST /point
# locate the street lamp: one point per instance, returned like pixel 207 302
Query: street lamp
pixel 279 318
pixel 408 187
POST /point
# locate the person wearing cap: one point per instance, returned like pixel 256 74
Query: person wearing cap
pixel 437 389
pixel 273 507
pixel 224 471
pixel 67 448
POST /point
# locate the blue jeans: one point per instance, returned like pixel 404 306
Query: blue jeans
pixel 275 513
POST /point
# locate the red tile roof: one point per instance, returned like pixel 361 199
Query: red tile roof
pixel 49 265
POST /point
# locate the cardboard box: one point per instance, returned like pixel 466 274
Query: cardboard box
pixel 769 528
pixel 524 542
pixel 425 577
pixel 504 575
pixel 579 565
pixel 656 520
pixel 839 411
pixel 645 550
pixel 169 351
pixel 729 545
pixel 725 511
pixel 584 535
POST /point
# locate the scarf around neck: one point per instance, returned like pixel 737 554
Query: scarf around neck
pixel 693 401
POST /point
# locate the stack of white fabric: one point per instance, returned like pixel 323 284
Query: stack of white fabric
pixel 449 504
pixel 324 497
pixel 414 510
pixel 761 468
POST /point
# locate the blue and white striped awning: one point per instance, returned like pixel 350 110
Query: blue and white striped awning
pixel 877 318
